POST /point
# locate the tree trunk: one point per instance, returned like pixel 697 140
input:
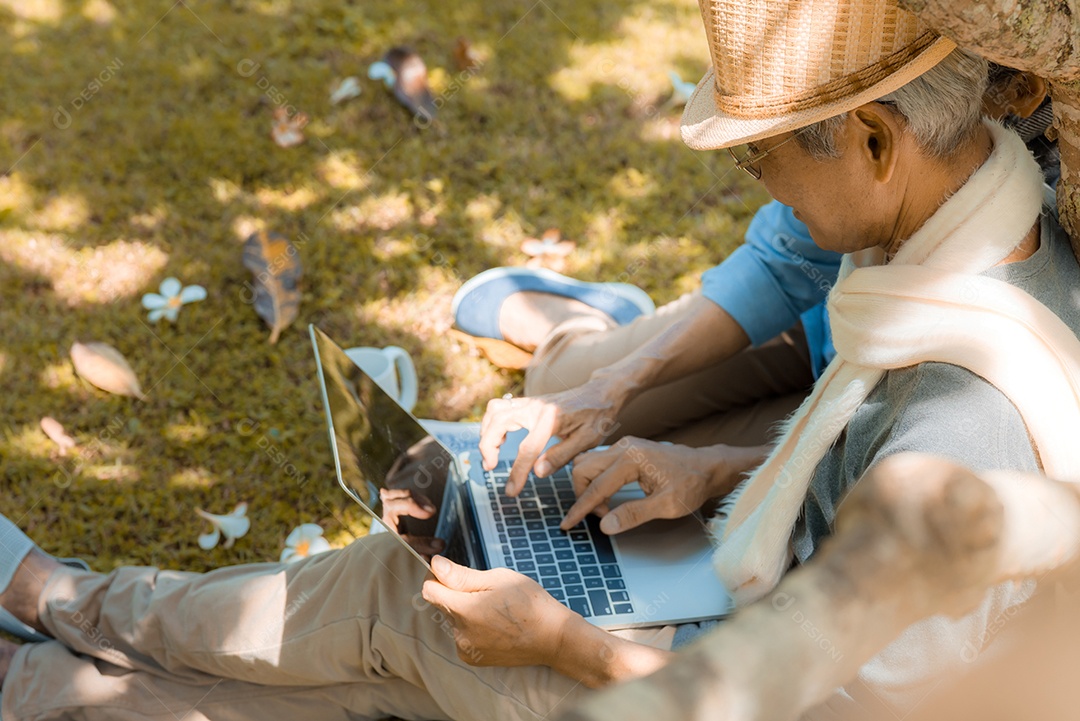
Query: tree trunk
pixel 1038 36
pixel 916 537
pixel 1067 121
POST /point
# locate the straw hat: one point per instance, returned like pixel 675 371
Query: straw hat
pixel 780 65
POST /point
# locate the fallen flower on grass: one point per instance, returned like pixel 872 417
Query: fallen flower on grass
pixel 305 540
pixel 345 89
pixel 232 525
pixel 549 250
pixel 288 131
pixel 172 296
pixel 52 428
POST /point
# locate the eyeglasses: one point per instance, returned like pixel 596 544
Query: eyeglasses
pixel 749 163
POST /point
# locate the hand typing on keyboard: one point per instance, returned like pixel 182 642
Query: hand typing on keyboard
pixel 581 417
pixel 677 480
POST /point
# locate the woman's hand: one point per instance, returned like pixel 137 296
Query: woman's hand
pixel 581 418
pixel 400 502
pixel 677 480
pixel 501 617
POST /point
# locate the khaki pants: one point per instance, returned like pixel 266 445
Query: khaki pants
pixel 341 635
pixel 737 402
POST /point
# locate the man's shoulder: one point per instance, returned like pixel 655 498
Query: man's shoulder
pixel 943 409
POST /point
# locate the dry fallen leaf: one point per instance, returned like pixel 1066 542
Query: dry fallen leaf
pixel 275 263
pixel 57 434
pixel 103 366
pixel 464 55
pixel 288 131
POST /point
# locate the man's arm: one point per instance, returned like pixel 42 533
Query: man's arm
pixel 757 293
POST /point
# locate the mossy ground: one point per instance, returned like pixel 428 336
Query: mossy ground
pixel 160 163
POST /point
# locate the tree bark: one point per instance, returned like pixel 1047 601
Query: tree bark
pixel 1038 36
pixel 916 537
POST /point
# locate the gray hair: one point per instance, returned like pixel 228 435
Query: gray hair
pixel 942 109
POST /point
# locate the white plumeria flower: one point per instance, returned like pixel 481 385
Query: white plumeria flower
pixel 549 244
pixel 345 90
pixel 231 525
pixel 305 540
pixel 166 304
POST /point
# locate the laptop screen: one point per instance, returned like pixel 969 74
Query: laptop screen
pixel 376 443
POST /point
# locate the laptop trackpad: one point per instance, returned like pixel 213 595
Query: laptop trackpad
pixel 660 542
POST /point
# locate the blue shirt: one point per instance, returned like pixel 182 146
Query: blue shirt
pixel 778 276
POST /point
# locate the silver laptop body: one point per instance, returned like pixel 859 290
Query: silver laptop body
pixel 659 573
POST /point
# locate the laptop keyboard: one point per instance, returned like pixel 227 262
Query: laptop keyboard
pixel 577 567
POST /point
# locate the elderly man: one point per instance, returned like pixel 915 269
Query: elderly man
pixel 723 365
pixel 874 138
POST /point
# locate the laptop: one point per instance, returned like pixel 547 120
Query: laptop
pixel 656 574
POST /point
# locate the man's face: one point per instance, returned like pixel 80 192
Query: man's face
pixel 836 198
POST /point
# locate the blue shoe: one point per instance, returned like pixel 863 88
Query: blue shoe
pixel 12 625
pixel 476 305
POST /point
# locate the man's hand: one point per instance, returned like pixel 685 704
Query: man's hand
pixel 677 480
pixel 501 617
pixel 400 502
pixel 580 417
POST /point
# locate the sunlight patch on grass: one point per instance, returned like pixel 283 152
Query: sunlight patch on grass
pixel 636 60
pixel 193 478
pixel 117 472
pixel 149 221
pixel 28 440
pixel 186 432
pixel 290 199
pixel 505 231
pixel 381 212
pixel 225 191
pixel 244 225
pixel 16 195
pixel 60 376
pixel 38 11
pixel 61 212
pixel 342 170
pixel 120 269
pixel 632 183
pixel 663 127
pixel 101 12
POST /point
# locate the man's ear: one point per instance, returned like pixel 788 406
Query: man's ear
pixel 875 136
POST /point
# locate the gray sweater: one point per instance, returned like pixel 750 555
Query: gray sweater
pixel 945 410
pixel 940 408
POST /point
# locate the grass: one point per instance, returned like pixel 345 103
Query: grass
pixel 135 140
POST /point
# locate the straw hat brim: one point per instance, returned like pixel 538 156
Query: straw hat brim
pixel 705 127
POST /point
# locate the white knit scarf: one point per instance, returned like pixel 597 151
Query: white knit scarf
pixel 928 304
